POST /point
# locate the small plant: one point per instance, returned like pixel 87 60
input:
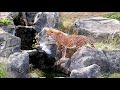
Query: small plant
pixel 6 22
pixel 3 71
pixel 112 16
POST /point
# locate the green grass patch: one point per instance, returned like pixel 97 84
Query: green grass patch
pixel 6 22
pixel 3 71
pixel 106 46
pixel 115 75
pixel 112 16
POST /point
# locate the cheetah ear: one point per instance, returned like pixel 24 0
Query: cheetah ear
pixel 58 33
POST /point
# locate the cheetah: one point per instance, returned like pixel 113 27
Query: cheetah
pixel 68 41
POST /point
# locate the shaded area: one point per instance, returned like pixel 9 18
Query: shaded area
pixel 27 35
pixel 19 20
pixel 43 65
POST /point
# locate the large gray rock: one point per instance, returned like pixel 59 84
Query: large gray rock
pixel 10 28
pixel 47 19
pixel 92 71
pixel 9 44
pixel 18 65
pixel 40 59
pixel 102 29
pixel 86 56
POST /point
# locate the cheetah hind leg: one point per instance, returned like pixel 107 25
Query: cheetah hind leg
pixel 62 60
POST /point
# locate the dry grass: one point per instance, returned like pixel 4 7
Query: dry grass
pixel 69 17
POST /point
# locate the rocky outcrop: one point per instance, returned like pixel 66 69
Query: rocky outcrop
pixel 92 71
pixel 9 44
pixel 47 19
pixel 18 65
pixel 101 29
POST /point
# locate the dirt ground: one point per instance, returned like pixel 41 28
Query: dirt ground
pixel 72 16
pixel 79 14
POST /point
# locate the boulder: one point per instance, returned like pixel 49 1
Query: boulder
pixel 44 44
pixel 18 65
pixel 92 71
pixel 9 44
pixel 40 59
pixel 47 19
pixel 102 29
pixel 86 56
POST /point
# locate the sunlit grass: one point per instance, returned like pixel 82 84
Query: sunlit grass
pixel 115 75
pixel 3 71
pixel 112 16
pixel 106 46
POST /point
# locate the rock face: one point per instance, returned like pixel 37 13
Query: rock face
pixel 47 19
pixel 18 65
pixel 10 27
pixel 101 29
pixel 9 44
pixel 91 71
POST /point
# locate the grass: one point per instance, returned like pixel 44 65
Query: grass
pixel 3 71
pixel 6 22
pixel 47 73
pixel 68 19
pixel 112 16
pixel 106 46
pixel 115 75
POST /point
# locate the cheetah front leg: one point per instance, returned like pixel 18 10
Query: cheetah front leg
pixel 64 52
pixel 63 59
